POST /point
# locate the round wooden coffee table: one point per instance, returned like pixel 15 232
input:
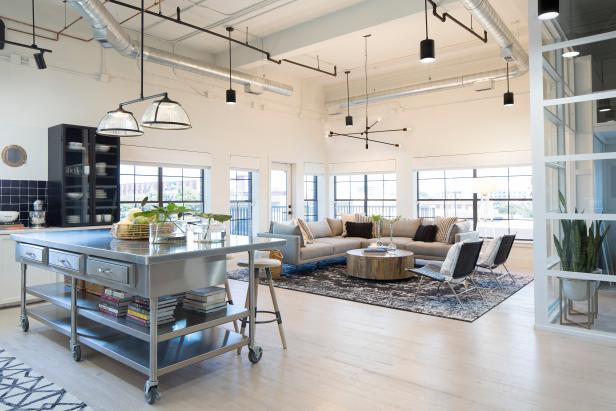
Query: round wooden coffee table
pixel 390 266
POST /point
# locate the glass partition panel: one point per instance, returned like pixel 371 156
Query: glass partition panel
pixel 580 18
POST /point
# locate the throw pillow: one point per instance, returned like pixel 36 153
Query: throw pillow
pixel 360 218
pixel 363 230
pixel 425 233
pixel 320 229
pixel 287 229
pixel 335 226
pixel 449 265
pixel 489 251
pixel 459 227
pixel 306 233
pixel 345 219
pixel 443 225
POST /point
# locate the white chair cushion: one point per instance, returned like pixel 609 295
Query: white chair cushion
pixel 451 260
pixel 261 263
pixel 489 251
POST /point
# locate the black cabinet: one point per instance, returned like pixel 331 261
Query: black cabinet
pixel 83 177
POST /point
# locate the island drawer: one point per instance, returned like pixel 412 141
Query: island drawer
pixel 32 253
pixel 66 261
pixel 110 270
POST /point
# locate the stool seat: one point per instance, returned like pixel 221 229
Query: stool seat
pixel 261 263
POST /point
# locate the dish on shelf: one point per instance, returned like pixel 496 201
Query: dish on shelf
pixel 74 196
pixel 102 148
pixel 8 216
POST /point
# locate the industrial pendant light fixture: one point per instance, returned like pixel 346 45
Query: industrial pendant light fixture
pixel 604 105
pixel 231 98
pixel 349 119
pixel 548 9
pixel 426 46
pixel 570 53
pixel 508 96
pixel 164 114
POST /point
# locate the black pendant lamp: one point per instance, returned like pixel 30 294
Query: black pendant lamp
pixel 548 9
pixel 426 47
pixel 604 105
pixel 231 99
pixel 508 100
pixel 349 119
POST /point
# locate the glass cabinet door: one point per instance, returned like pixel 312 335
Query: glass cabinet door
pixel 106 163
pixel 77 170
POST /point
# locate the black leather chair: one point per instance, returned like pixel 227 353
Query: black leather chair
pixel 502 255
pixel 462 272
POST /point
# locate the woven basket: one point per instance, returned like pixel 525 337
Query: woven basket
pixel 130 231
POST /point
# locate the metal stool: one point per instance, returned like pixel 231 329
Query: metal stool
pixel 265 265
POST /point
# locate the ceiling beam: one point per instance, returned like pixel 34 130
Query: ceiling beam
pixel 305 36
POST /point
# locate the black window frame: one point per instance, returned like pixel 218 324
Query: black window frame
pixel 243 225
pixel 311 181
pixel 365 208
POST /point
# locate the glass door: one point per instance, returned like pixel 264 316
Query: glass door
pixel 77 169
pixel 241 202
pixel 105 171
pixel 281 198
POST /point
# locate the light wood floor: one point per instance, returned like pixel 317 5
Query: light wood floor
pixel 349 356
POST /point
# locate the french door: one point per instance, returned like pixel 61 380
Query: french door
pixel 281 192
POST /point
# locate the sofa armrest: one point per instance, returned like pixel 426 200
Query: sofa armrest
pixel 290 251
pixel 468 236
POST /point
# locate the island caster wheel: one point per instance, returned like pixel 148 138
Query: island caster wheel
pixel 76 352
pixel 152 395
pixel 255 354
pixel 25 324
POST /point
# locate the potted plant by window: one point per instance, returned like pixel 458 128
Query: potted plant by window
pixel 578 250
pixel 167 225
pixel 211 229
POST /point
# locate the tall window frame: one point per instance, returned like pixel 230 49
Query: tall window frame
pixel 360 198
pixel 311 197
pixel 241 201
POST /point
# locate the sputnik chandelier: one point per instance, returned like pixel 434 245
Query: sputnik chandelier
pixel 368 130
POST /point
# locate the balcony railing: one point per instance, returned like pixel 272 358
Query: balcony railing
pixel 280 213
pixel 241 218
pixel 385 211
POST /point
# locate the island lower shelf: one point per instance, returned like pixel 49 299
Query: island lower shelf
pixel 173 353
pixel 187 322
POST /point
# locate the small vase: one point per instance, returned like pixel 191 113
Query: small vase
pixel 391 247
pixel 168 232
pixel 379 241
pixel 209 233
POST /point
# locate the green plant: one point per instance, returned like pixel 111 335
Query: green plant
pixel 164 214
pixel 392 220
pixel 376 218
pixel 580 245
pixel 221 218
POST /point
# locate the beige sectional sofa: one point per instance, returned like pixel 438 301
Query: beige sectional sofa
pixel 330 242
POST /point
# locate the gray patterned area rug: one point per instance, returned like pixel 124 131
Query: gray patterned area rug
pixel 23 389
pixel 329 279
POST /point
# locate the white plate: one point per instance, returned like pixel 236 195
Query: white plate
pixel 75 196
pixel 102 148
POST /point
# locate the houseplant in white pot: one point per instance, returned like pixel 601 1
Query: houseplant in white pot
pixel 578 250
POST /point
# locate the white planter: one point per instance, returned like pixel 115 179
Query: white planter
pixel 577 290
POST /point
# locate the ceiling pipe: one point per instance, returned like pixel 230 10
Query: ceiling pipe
pixel 111 35
pixel 511 51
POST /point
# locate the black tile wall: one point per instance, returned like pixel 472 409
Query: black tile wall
pixel 18 195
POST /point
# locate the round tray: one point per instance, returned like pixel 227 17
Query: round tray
pixel 130 231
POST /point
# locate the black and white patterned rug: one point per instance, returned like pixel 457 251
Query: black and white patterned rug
pixel 23 389
pixel 329 279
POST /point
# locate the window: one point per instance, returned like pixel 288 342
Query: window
pixel 365 194
pixel 241 202
pixel 497 200
pixel 311 203
pixel 162 185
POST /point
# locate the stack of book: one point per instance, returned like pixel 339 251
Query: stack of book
pixel 114 302
pixel 139 310
pixel 375 250
pixel 206 300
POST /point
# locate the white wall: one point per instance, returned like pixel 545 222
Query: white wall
pixel 268 127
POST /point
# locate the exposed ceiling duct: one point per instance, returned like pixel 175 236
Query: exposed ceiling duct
pixel 511 51
pixel 111 35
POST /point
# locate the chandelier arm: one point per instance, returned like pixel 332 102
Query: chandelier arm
pixel 389 131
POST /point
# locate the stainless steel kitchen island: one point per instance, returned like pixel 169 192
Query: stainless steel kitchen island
pixel 146 270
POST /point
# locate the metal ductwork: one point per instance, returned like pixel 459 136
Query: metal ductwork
pixel 511 51
pixel 111 35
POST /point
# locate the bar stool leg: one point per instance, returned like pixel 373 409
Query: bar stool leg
pixel 270 282
pixel 244 320
pixel 230 300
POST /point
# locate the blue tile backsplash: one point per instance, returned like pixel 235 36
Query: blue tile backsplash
pixel 18 195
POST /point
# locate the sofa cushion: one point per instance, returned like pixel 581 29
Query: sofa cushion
pixel 319 229
pixel 335 226
pixel 342 244
pixel 316 250
pixel 444 225
pixel 363 230
pixel 461 226
pixel 420 248
pixel 287 229
pixel 425 233
pixel 405 227
pixel 305 230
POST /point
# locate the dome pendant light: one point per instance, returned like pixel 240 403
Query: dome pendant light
pixel 426 47
pixel 166 114
pixel 119 123
pixel 508 100
pixel 349 119
pixel 548 9
pixel 231 98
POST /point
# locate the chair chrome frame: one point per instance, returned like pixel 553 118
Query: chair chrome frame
pixel 462 274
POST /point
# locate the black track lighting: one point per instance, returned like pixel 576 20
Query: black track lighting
pixel 39 58
pixel 427 52
pixel 231 98
pixel 548 9
pixel 348 121
pixel 508 99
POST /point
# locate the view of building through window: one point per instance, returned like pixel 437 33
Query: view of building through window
pixel 367 194
pixel 241 202
pixel 311 200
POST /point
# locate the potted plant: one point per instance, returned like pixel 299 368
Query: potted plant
pixel 166 225
pixel 578 250
pixel 391 247
pixel 377 220
pixel 211 229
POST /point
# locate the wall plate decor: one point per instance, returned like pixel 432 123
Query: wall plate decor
pixel 14 156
